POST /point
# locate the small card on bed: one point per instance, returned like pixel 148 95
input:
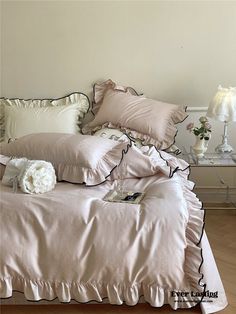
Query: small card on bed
pixel 124 197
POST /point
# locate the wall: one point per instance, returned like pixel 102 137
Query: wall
pixel 172 51
pixel 177 51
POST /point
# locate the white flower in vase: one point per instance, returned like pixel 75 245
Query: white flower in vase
pixel 203 135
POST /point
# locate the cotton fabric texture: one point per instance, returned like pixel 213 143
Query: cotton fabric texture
pixel 151 121
pixel 156 241
pixel 76 158
pixel 118 135
pixel 67 238
pixel 100 89
pixel 20 117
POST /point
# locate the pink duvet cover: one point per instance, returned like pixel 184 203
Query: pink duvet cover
pixel 71 244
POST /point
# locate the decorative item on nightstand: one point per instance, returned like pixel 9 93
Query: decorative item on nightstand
pixel 202 134
pixel 223 108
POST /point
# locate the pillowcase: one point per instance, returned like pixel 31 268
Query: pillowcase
pixel 151 121
pixel 3 161
pixel 19 117
pixel 76 158
pixel 118 135
pixel 99 90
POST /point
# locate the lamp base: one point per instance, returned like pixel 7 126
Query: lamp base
pixel 224 148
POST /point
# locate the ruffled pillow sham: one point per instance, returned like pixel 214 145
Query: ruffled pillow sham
pixel 19 117
pixel 118 135
pixel 76 158
pixel 100 89
pixel 151 121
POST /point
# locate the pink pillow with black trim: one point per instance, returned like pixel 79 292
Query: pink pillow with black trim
pixel 99 90
pixel 76 158
pixel 151 121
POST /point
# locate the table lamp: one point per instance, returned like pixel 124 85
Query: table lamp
pixel 223 108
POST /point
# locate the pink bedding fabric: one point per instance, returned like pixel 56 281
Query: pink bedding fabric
pixel 208 269
pixel 99 90
pixel 151 121
pixel 76 158
pixel 71 244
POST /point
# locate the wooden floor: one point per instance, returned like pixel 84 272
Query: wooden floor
pixel 221 231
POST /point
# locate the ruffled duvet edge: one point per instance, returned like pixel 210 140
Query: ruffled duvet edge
pixel 36 290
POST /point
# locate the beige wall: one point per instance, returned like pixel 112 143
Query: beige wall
pixel 176 51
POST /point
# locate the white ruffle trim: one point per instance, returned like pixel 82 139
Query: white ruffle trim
pixel 195 225
pixel 35 290
pixel 129 293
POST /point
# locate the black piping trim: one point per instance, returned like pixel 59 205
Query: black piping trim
pixel 124 151
pixel 177 151
pixel 54 99
pixel 185 110
pixel 126 89
pixel 100 302
pixel 50 99
pixel 203 226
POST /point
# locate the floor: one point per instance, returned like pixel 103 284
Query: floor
pixel 221 231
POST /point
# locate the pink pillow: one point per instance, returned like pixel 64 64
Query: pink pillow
pixel 99 90
pixel 76 158
pixel 149 120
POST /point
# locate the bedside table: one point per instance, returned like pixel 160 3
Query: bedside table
pixel 215 179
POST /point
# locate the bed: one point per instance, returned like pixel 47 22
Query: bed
pixel 72 244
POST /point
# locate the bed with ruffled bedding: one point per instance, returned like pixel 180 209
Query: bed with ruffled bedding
pixel 72 244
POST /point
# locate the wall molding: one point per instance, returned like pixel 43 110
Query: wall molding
pixel 214 187
pixel 197 109
pixel 214 197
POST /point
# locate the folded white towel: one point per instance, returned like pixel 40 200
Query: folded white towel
pixel 33 176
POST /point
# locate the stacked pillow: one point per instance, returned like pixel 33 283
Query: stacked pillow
pixel 117 110
pixel 148 121
pixel 77 158
pixel 19 117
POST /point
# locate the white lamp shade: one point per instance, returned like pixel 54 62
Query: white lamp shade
pixel 223 105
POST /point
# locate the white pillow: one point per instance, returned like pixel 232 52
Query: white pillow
pixel 22 121
pixel 20 117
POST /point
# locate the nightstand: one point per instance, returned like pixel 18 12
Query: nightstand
pixel 215 179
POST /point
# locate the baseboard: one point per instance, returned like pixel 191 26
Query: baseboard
pixel 219 206
pixel 216 197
